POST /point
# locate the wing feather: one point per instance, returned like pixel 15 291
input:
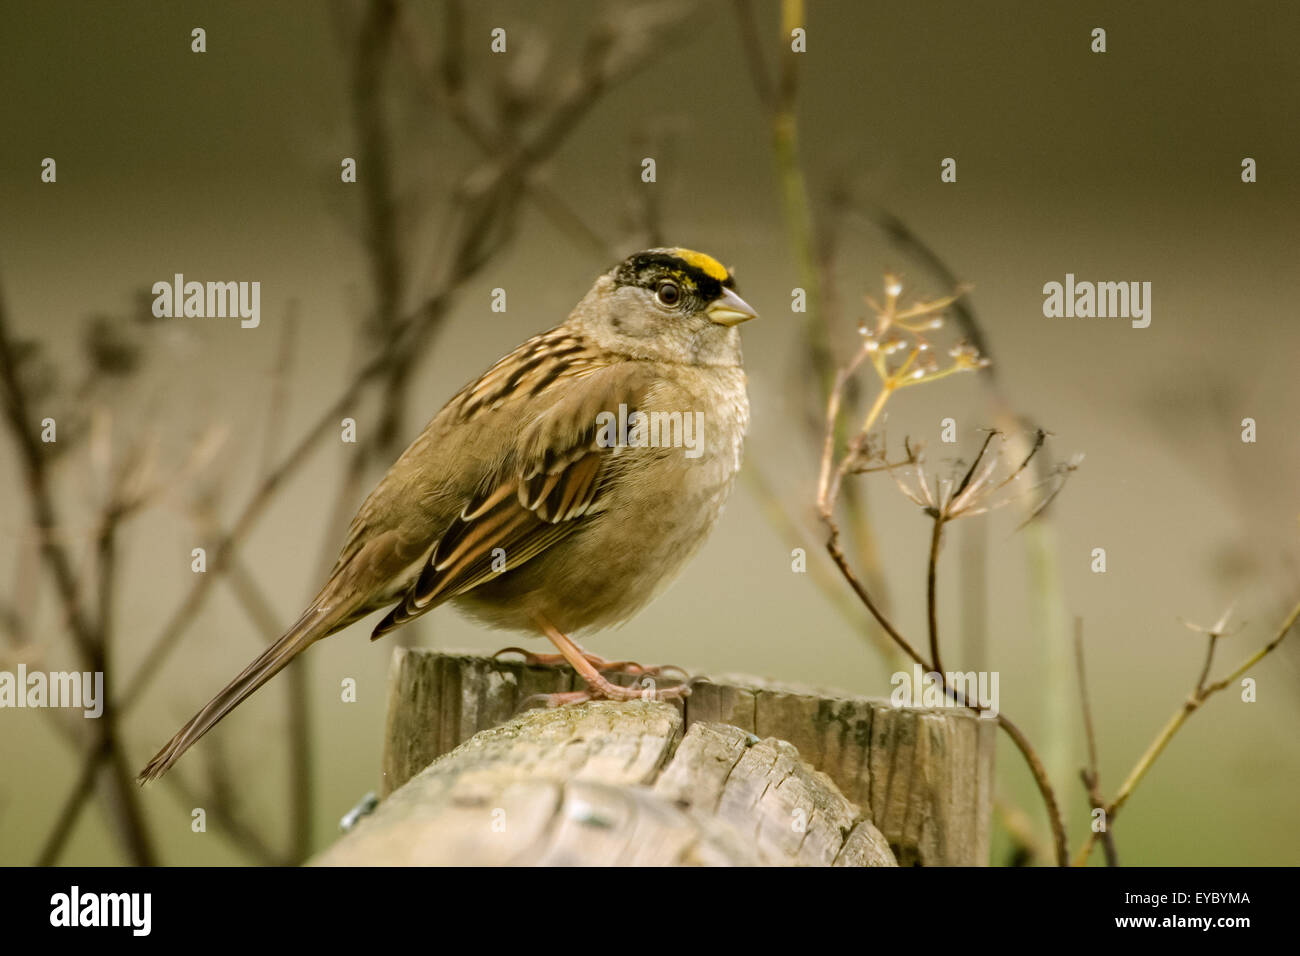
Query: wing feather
pixel 543 491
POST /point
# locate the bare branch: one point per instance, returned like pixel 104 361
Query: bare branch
pixel 1199 695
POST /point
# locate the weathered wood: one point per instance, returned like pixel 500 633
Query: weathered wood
pixel 573 786
pixel 923 777
pixel 787 811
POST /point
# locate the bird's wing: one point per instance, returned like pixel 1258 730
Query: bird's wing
pixel 546 483
pixel 551 480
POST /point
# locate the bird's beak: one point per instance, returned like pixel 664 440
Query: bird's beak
pixel 730 309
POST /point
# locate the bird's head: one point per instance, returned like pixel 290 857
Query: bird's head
pixel 674 305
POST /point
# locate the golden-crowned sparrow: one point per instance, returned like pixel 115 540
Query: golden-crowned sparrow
pixel 539 499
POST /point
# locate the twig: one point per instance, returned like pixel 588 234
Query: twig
pixel 488 215
pixel 905 238
pixel 278 404
pixel 778 100
pixel 1025 848
pixel 1090 775
pixel 1059 840
pixel 497 195
pixel 301 803
pixel 936 536
pixel 41 499
pixel 752 46
pixel 943 505
pixel 53 846
pixel 837 555
pixel 1199 695
pixel 90 635
pixel 972 570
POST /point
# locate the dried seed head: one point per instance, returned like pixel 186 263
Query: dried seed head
pixel 966 356
pixel 894 341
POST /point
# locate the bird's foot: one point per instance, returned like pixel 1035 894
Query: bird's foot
pixel 604 690
pixel 603 666
pixel 551 701
pixel 589 667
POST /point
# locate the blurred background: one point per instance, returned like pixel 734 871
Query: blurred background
pixel 522 170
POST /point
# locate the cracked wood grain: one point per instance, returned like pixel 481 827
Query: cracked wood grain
pixel 755 772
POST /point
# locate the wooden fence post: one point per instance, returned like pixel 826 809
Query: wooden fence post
pixel 743 771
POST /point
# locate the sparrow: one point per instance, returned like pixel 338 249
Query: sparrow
pixel 557 493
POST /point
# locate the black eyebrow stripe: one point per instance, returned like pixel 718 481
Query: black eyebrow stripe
pixel 639 268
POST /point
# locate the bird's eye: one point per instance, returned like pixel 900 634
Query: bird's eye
pixel 668 294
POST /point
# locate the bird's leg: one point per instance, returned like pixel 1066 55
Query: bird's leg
pixel 597 686
pixel 596 661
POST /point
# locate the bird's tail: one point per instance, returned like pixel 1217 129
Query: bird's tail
pixel 309 628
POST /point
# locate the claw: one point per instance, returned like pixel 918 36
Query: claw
pixel 631 668
pixel 610 692
pixel 588 666
pixel 551 701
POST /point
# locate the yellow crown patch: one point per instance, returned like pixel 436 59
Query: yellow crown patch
pixel 706 264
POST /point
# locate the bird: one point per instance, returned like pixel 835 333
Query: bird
pixel 540 498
